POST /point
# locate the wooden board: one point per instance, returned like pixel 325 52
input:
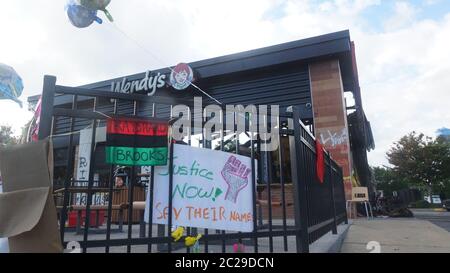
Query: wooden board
pixel 121 197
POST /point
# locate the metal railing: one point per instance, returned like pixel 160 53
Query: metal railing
pixel 318 207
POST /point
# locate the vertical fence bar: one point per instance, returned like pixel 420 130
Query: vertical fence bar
pixel 90 183
pixel 283 193
pixel 48 97
pixel 131 195
pixel 222 147
pixel 110 194
pixel 254 191
pixel 298 179
pixel 269 161
pixel 70 167
pixel 343 191
pixel 260 170
pixel 161 228
pixel 169 220
pixel 206 145
pixel 151 188
pixel 237 150
pixel 269 198
pixel 151 194
pixel 130 208
pixel 188 229
pixel 308 167
pixel 331 187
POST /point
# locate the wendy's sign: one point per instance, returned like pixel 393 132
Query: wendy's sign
pixel 147 85
pixel 181 78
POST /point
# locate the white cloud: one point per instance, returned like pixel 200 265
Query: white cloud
pixel 403 68
pixel 404 15
pixel 432 2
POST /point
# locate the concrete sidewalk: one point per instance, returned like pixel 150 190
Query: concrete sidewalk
pixel 329 243
pixel 406 235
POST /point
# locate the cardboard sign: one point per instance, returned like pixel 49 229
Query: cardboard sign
pixel 211 189
pixel 27 208
pixel 360 194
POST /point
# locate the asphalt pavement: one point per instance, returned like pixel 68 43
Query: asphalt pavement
pixel 439 217
pixel 396 235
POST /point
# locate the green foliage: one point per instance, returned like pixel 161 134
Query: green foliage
pixel 421 162
pixel 388 181
pixel 6 136
pixel 421 204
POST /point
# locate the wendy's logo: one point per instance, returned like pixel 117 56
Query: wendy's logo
pixel 181 76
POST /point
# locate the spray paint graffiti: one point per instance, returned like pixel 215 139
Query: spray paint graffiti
pixel 334 139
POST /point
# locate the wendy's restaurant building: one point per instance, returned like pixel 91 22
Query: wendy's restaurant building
pixel 318 76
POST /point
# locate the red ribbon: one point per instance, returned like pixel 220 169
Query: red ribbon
pixel 320 164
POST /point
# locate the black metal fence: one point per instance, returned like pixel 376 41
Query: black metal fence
pixel 318 208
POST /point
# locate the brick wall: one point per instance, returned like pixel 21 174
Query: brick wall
pixel 277 208
pixel 330 115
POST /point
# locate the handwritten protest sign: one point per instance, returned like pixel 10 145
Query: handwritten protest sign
pixel 211 189
pixel 136 142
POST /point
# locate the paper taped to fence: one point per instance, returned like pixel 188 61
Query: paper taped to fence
pixel 211 189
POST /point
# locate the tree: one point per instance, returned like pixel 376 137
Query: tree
pixel 388 181
pixel 421 161
pixel 6 136
pixel 443 145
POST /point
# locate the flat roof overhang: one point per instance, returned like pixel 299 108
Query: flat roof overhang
pixel 333 45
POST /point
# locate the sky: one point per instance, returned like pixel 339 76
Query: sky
pixel 402 48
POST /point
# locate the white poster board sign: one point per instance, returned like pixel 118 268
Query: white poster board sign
pixel 83 164
pixel 211 189
pixel 84 155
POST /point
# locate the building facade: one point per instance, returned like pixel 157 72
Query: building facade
pixel 317 74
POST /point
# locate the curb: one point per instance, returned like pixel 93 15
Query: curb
pixel 330 243
pixel 336 247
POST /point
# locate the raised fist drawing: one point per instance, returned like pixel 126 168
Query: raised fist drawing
pixel 235 175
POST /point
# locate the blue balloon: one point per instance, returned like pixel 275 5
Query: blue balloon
pixel 81 16
pixel 11 85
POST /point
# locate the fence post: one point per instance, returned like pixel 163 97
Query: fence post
pixel 343 192
pixel 48 96
pixel 299 181
pixel 333 204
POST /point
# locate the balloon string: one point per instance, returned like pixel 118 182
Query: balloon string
pixel 103 114
pixel 159 60
pixel 77 132
pixel 70 133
